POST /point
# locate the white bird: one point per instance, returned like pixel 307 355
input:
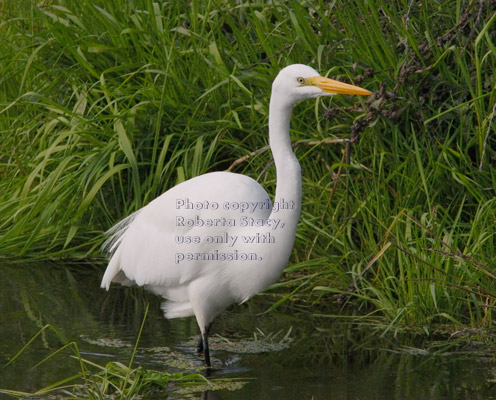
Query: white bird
pixel 217 239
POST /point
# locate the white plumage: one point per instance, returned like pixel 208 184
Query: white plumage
pixel 215 239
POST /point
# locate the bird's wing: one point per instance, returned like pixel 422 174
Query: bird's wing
pixel 165 242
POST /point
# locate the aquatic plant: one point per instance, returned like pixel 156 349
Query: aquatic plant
pixel 114 379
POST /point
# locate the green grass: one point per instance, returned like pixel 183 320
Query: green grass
pixel 105 105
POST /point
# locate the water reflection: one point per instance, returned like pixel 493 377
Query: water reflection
pixel 326 358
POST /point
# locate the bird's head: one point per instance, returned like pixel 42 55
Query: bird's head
pixel 297 82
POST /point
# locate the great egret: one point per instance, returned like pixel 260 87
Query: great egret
pixel 217 239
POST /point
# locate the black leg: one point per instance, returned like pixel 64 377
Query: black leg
pixel 202 346
pixel 206 351
pixel 199 346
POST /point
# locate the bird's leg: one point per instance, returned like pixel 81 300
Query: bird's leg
pixel 206 351
pixel 202 346
pixel 199 346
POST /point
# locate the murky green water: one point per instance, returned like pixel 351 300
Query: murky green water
pixel 320 358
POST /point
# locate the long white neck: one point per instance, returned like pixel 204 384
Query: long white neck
pixel 288 188
pixel 276 253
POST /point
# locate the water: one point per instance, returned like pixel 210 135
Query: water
pixel 321 358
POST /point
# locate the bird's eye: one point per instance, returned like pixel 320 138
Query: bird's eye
pixel 301 80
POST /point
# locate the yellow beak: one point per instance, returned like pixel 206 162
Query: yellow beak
pixel 332 86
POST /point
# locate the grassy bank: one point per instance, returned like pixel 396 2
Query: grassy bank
pixel 104 105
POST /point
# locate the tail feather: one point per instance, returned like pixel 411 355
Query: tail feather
pixel 112 270
pixel 111 246
pixel 116 233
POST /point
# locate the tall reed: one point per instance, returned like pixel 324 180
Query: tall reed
pixel 105 105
